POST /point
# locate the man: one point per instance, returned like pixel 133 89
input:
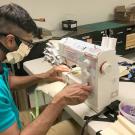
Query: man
pixel 16 25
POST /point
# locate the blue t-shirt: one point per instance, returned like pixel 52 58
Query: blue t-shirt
pixel 9 113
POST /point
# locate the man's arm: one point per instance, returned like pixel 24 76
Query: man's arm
pixel 26 81
pixel 19 82
pixel 71 95
pixel 41 125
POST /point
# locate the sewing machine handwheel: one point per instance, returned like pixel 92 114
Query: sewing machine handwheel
pixel 105 67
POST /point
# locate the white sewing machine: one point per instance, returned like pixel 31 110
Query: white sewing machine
pixel 98 67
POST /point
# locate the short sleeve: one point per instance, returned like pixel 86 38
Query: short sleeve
pixel 7 115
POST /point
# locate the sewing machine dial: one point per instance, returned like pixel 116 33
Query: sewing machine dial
pixel 105 67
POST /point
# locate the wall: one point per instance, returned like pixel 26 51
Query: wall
pixel 84 11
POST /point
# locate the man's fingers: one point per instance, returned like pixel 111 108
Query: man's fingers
pixel 84 92
pixel 82 86
pixel 62 68
pixel 82 98
pixel 58 79
pixel 87 88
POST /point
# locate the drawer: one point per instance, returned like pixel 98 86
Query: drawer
pixel 130 41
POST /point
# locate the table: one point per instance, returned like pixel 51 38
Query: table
pixel 77 112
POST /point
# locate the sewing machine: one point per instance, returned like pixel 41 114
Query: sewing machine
pixel 98 66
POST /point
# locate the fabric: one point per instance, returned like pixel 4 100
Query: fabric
pixel 9 113
pixel 66 127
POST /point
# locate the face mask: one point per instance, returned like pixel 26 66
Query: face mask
pixel 18 41
pixel 24 48
pixel 17 56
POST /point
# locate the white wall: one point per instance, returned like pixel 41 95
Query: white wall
pixel 84 11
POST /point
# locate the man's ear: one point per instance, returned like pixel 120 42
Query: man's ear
pixel 10 42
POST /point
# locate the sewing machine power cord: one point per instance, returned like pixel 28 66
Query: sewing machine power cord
pixel 110 111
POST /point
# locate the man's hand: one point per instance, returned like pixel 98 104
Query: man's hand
pixel 73 94
pixel 53 74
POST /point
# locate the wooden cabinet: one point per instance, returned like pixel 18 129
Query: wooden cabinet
pixel 125 34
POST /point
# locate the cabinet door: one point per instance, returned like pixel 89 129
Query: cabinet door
pixel 130 37
pixel 120 34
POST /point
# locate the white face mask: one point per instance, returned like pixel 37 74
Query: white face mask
pixel 17 56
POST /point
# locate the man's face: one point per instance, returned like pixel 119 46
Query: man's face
pixel 18 46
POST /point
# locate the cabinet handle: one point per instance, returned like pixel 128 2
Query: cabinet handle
pixel 128 29
pixel 120 33
pixel 119 42
pixel 85 37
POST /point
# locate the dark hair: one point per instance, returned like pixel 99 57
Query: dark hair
pixel 18 16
